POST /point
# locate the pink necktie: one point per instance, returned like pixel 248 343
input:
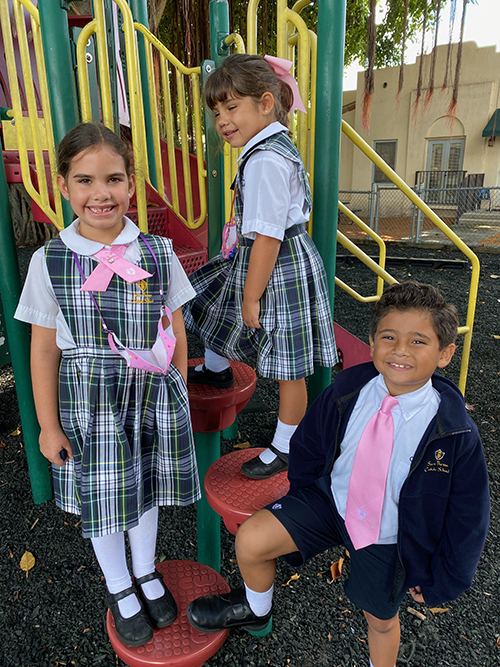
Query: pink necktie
pixel 110 262
pixel 365 496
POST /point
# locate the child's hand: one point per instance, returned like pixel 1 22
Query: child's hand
pixel 416 594
pixel 250 311
pixel 52 443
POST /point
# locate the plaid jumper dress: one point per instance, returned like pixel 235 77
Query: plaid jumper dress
pixel 297 327
pixel 130 430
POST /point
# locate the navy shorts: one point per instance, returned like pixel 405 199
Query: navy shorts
pixel 313 522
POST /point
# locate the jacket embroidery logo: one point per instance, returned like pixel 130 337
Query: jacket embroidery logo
pixel 437 465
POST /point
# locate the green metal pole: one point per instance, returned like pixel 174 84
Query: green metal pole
pixel 60 75
pixel 18 337
pixel 219 29
pixel 207 520
pixel 139 10
pixel 331 38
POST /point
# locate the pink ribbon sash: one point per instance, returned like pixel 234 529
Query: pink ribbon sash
pixel 158 358
pixel 110 262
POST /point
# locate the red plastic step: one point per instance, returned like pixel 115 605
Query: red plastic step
pixel 236 497
pixel 214 409
pixel 179 645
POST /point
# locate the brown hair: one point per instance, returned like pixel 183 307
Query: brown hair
pixel 88 136
pixel 244 75
pixel 411 295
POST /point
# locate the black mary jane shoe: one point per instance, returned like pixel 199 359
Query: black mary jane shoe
pixel 163 610
pixel 256 469
pixel 214 613
pixel 133 631
pixel 222 380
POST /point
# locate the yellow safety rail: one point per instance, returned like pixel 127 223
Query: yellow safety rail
pixel 193 75
pixel 138 125
pixel 379 268
pixel 457 241
pixel 39 193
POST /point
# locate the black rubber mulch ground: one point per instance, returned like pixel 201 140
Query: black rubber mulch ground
pixel 55 616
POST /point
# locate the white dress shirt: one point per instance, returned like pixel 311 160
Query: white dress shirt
pixel 273 196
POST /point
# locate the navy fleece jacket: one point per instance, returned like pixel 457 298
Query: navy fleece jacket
pixel 444 505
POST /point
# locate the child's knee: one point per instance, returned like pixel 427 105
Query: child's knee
pixel 382 626
pixel 257 538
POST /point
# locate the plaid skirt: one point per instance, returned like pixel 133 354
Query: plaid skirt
pixel 297 325
pixel 132 441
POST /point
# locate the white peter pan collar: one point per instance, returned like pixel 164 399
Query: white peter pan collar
pixel 72 238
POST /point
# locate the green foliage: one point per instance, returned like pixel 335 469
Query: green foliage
pixel 174 26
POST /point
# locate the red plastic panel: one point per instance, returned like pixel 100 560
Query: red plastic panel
pixel 214 409
pixel 352 350
pixel 236 497
pixel 179 645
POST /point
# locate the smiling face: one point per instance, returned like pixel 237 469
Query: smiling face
pixel 405 350
pixel 239 119
pixel 99 190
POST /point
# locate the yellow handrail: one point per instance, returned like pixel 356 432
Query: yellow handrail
pixel 41 195
pixel 194 76
pixel 343 240
pixel 236 39
pixel 457 241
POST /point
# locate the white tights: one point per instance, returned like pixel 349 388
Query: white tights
pixel 110 553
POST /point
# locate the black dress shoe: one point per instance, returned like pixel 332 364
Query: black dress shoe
pixel 133 631
pixel 223 380
pixel 163 610
pixel 214 613
pixel 257 469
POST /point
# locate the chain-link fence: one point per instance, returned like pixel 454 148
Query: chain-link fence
pixel 473 213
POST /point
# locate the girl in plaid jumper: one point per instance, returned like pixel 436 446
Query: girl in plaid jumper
pixel 109 364
pixel 269 298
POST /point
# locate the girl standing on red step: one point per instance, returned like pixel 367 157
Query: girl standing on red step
pixel 109 363
pixel 268 299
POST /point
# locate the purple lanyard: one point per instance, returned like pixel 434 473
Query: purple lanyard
pixel 84 278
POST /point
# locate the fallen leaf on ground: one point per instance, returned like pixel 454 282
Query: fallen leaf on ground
pixel 494 336
pixel 416 613
pixel 16 432
pixel 468 406
pixel 494 276
pixel 439 610
pixel 336 569
pixel 27 562
pixel 3 445
pixel 242 445
pixel 498 641
pixel 361 640
pixel 294 577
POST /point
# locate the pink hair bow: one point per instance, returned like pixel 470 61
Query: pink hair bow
pixel 282 68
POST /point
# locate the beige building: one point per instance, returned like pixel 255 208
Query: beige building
pixel 426 141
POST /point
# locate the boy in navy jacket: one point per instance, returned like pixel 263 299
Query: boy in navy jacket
pixel 435 511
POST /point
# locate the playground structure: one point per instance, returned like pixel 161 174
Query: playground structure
pixel 181 193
